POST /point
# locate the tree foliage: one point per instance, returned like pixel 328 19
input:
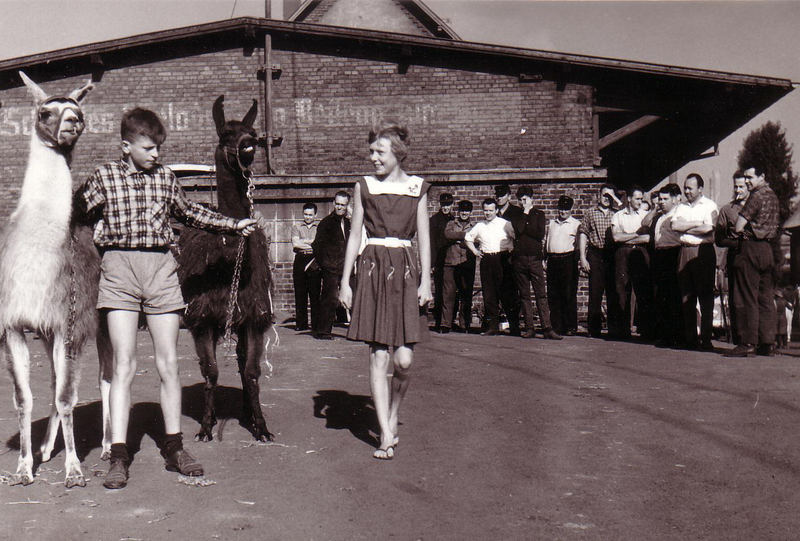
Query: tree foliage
pixel 767 148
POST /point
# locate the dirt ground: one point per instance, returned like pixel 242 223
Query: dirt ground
pixel 502 438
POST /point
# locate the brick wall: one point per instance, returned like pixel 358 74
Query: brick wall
pixel 459 120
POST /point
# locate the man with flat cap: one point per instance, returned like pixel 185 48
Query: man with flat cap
pixel 439 245
pixel 562 268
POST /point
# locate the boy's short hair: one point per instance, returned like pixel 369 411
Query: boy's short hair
pixel 465 206
pixel 142 122
pixel 311 206
pixel 565 202
pixel 342 193
pixel 445 199
pixel 524 190
pixel 489 201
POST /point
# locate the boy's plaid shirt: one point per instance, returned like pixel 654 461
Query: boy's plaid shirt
pixel 136 207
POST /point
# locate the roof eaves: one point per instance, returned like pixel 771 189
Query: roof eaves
pixel 317 30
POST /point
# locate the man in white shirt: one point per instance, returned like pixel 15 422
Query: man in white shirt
pixel 495 236
pixel 306 274
pixel 632 264
pixel 669 322
pixel 562 269
pixel 697 264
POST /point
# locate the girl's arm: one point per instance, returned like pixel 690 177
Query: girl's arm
pixel 351 252
pixel 424 294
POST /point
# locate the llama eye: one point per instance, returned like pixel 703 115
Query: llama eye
pixel 44 115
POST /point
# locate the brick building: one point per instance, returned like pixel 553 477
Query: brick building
pixel 480 114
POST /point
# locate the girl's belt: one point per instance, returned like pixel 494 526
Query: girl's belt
pixel 389 242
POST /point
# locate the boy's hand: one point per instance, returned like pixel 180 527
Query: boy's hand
pixel 246 226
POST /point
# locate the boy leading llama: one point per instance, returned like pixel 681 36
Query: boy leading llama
pixel 135 196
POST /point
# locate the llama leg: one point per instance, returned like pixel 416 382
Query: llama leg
pixel 67 376
pixel 19 366
pixel 249 350
pixel 205 343
pixel 49 442
pixel 105 354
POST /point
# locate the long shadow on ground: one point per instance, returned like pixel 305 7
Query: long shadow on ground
pixel 145 420
pixel 355 413
pixel 228 404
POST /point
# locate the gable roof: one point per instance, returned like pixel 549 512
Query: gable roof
pixel 651 118
pixel 383 15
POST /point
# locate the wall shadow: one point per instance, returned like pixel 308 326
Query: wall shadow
pixel 343 411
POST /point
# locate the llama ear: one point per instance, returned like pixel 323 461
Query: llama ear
pixel 79 93
pixel 218 113
pixel 39 95
pixel 251 115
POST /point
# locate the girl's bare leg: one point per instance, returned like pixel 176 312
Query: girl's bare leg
pixel 403 358
pixel 378 366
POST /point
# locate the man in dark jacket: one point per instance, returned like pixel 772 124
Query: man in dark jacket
pixel 439 246
pixel 459 272
pixel 329 246
pixel 527 260
pixel 509 211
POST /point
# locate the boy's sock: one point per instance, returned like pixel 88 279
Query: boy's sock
pixel 119 451
pixel 172 443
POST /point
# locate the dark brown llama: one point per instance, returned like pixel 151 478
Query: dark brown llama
pixel 206 271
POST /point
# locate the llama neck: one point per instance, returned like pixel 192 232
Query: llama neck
pixel 47 187
pixel 231 191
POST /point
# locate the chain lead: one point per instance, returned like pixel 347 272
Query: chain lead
pixel 237 272
pixel 70 338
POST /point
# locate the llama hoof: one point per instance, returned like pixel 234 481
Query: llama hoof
pixel 204 435
pixel 21 478
pixel 46 454
pixel 106 454
pixel 75 479
pixel 262 434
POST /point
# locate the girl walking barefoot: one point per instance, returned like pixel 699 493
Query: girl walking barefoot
pixel 391 288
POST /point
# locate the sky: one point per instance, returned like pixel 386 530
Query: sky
pixel 752 37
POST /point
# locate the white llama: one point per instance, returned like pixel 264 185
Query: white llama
pixel 46 268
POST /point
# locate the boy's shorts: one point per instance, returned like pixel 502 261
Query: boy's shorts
pixel 141 281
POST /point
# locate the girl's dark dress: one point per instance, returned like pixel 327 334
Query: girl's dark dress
pixel 385 307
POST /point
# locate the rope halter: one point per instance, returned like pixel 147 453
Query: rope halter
pixel 63 130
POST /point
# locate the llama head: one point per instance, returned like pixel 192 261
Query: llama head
pixel 59 119
pixel 237 139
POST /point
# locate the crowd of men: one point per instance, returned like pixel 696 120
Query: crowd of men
pixel 654 262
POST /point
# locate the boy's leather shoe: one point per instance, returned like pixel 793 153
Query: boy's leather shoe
pixel 184 463
pixel 117 476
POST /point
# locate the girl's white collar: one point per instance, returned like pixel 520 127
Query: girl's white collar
pixel 412 187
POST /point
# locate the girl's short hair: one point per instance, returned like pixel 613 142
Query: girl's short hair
pixel 138 122
pixel 396 133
